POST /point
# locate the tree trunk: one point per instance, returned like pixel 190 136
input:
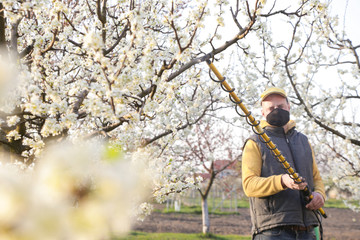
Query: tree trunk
pixel 205 215
pixel 2 26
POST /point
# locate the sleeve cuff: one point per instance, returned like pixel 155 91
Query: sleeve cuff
pixel 280 184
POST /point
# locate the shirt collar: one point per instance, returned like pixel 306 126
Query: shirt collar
pixel 290 125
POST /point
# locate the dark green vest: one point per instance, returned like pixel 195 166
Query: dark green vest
pixel 286 207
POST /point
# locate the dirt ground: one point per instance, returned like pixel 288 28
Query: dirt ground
pixel 341 224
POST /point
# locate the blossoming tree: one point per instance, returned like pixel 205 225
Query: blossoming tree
pixel 123 71
pixel 210 151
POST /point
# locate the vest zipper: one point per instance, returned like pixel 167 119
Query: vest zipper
pixel 292 155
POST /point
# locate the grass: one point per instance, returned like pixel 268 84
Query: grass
pixel 180 236
pixel 244 203
pixel 337 203
pixel 217 202
pixel 196 209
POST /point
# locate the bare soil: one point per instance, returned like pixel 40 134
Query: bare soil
pixel 340 224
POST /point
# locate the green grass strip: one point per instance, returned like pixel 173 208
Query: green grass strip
pixel 180 236
pixel 337 203
pixel 196 209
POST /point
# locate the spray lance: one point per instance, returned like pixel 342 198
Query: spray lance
pixel 257 129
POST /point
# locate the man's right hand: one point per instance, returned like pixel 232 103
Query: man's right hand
pixel 288 182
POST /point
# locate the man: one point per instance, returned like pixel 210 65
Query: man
pixel 278 209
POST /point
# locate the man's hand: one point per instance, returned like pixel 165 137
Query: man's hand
pixel 288 182
pixel 317 201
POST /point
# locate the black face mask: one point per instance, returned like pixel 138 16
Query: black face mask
pixel 278 117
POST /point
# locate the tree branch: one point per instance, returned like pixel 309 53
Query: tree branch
pixel 211 54
pixel 167 132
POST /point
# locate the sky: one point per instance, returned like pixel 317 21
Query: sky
pixel 348 12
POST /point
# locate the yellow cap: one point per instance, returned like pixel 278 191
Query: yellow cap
pixel 273 90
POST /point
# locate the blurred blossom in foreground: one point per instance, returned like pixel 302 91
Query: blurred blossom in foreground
pixel 73 192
